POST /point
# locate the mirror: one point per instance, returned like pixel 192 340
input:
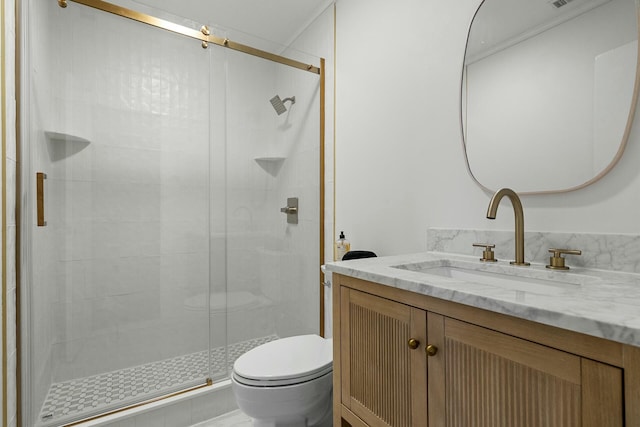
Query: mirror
pixel 549 92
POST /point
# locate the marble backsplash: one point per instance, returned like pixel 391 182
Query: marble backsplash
pixel 617 252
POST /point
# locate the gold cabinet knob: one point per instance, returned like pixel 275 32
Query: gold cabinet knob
pixel 431 350
pixel 413 343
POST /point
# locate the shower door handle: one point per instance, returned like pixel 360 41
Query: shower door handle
pixel 40 177
pixel 291 210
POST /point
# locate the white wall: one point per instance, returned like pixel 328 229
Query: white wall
pixel 400 165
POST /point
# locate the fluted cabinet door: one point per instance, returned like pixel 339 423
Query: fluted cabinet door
pixel 495 380
pixel 383 377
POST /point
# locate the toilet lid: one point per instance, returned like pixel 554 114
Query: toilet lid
pixel 286 361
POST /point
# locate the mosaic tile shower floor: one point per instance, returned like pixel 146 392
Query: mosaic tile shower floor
pixel 87 396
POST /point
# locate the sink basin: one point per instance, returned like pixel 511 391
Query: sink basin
pixel 492 278
pixel 535 281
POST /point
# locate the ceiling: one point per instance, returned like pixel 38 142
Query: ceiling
pixel 503 23
pixel 279 21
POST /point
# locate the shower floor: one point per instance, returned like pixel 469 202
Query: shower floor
pixel 85 397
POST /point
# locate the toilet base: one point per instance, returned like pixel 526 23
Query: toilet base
pixel 326 421
pixel 282 423
pixel 301 405
pixel 300 422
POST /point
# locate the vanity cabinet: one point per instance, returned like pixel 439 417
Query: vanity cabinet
pixel 485 368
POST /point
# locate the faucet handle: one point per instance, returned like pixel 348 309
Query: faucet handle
pixel 487 255
pixel 556 262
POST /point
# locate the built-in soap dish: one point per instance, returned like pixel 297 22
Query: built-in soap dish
pixel 62 145
pixel 271 165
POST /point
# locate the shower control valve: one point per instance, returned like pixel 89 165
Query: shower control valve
pixel 291 210
pixel 288 210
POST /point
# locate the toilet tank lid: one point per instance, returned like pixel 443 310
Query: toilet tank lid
pixel 286 358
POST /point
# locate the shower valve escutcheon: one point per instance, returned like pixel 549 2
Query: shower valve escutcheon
pixel 291 210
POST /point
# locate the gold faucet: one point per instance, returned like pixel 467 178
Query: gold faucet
pixel 519 219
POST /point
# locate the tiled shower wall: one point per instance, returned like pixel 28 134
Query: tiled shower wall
pixel 269 159
pixel 318 39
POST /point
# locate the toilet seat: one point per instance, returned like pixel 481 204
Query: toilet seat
pixel 286 361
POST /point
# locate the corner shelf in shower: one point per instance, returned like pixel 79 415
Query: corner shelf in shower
pixel 64 145
pixel 271 165
pixel 65 137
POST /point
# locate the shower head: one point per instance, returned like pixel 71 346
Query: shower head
pixel 278 104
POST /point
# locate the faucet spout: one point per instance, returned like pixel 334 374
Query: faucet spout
pixel 519 220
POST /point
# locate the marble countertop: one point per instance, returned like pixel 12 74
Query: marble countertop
pixel 600 303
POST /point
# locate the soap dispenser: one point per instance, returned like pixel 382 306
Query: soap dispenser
pixel 342 246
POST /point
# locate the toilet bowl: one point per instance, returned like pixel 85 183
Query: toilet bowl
pixel 286 382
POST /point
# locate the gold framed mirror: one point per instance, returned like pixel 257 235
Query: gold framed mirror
pixel 549 92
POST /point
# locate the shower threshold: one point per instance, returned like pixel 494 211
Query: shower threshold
pixel 86 397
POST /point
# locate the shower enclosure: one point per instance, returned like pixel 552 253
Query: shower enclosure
pixel 154 174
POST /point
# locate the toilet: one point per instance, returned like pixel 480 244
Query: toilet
pixel 286 382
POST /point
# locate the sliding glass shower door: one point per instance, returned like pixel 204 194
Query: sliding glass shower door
pixel 119 286
pixel 172 215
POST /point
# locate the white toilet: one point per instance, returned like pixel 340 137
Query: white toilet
pixel 287 382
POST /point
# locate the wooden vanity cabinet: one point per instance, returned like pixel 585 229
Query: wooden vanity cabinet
pixel 485 372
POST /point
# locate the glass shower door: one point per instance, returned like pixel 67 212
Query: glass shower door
pixel 119 289
pixel 272 265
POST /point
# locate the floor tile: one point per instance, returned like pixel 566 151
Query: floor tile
pixel 99 393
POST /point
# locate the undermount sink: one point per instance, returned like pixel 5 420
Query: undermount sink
pixel 528 280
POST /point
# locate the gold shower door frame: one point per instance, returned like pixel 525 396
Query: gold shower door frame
pixel 205 37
